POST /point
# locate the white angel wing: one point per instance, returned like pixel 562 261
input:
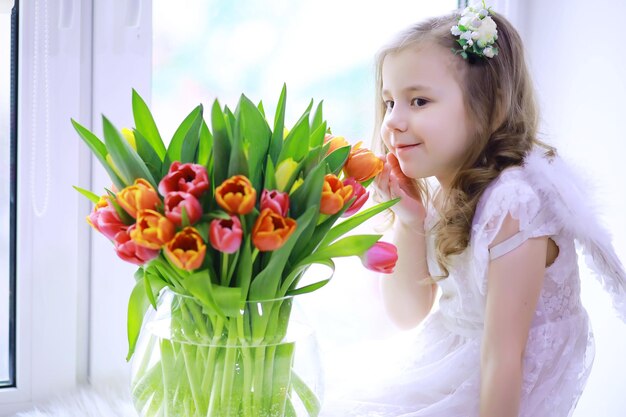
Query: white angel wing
pixel 572 203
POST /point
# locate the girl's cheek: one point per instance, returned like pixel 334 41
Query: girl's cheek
pixel 384 134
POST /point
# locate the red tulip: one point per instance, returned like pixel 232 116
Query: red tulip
pixel 190 178
pixel 381 257
pixel 276 201
pixel 129 251
pixel 225 235
pixel 359 192
pixel 105 220
pixel 174 203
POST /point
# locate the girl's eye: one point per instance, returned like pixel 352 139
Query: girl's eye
pixel 419 102
pixel 388 104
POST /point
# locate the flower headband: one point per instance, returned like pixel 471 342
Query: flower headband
pixel 477 31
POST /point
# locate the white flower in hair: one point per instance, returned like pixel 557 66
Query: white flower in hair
pixel 476 30
pixel 487 32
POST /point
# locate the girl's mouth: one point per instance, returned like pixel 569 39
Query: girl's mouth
pixel 405 148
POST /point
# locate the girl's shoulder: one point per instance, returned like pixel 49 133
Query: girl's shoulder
pixel 521 183
pixel 522 191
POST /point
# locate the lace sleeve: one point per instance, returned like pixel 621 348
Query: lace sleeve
pixel 510 194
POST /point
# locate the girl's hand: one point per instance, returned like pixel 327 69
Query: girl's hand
pixel 392 183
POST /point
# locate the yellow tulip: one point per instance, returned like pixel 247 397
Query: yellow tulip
pixel 284 170
pixel 130 137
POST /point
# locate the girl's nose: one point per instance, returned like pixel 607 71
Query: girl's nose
pixel 396 120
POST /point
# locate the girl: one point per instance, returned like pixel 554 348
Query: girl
pixel 497 238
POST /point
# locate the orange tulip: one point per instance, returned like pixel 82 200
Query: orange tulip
pixel 271 230
pixel 335 194
pixel 139 196
pixel 336 142
pixel 362 164
pixel 236 195
pixel 153 229
pixel 186 250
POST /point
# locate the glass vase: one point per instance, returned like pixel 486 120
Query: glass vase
pixel 262 361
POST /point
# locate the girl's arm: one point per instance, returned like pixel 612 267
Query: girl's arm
pixel 514 284
pixel 407 303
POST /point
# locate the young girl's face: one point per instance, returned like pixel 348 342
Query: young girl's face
pixel 425 121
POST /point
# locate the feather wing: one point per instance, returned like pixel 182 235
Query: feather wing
pixel 555 178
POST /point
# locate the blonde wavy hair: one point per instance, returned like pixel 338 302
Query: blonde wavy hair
pixel 503 116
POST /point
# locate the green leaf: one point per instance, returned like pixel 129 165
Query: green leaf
pixel 307 396
pixel 216 214
pixel 228 299
pixel 144 123
pixel 238 164
pixel 244 270
pixel 184 144
pixel 355 245
pixel 258 135
pixel 288 287
pixel 199 285
pixel 153 284
pixel 148 155
pixel 309 288
pixel 307 247
pixel 94 198
pixel 184 217
pixel 317 137
pixel 124 217
pixel 261 108
pixel 276 143
pixel 318 118
pixel 221 144
pixel 266 284
pixel 296 144
pixel 270 176
pixel 308 195
pixel 138 304
pixel 100 151
pixel 124 157
pixel 310 192
pixel 337 159
pixel 354 221
pixel 206 145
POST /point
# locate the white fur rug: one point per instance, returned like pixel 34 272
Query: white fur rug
pixel 112 400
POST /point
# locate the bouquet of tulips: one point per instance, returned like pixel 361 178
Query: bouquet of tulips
pixel 222 217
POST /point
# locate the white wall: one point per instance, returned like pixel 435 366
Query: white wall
pixel 576 55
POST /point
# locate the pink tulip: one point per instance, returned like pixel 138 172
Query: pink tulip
pixel 358 192
pixel 129 251
pixel 381 257
pixel 190 178
pixel 174 203
pixel 226 235
pixel 276 201
pixel 105 220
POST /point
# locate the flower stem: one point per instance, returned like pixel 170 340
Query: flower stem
pixel 192 375
pixel 224 271
pixel 230 369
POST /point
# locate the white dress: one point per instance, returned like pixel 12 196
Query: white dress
pixel 434 370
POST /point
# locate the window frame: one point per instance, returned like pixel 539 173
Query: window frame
pixel 51 309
